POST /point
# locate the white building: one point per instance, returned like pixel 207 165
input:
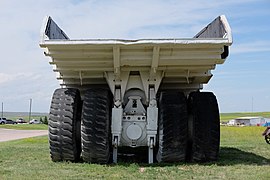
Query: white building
pixel 247 121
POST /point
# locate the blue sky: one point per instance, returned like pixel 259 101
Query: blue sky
pixel 241 84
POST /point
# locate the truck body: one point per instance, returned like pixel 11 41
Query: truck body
pixel 135 93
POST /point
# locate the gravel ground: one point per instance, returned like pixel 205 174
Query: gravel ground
pixel 11 134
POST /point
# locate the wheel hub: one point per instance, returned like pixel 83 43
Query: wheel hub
pixel 134 132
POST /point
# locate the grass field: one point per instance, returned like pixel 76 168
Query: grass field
pixel 243 155
pixel 25 126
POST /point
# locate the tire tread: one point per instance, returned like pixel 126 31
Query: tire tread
pixel 206 127
pixel 96 126
pixel 173 127
pixel 64 119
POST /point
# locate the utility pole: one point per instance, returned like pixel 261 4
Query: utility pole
pixel 30 109
pixel 252 104
pixel 2 109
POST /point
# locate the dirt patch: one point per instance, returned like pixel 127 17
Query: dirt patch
pixel 11 134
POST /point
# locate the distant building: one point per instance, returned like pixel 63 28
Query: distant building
pixel 247 121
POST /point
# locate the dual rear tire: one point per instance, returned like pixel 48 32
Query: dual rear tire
pixel 72 133
pixel 188 129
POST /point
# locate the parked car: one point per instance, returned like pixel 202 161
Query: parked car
pixel 35 121
pixel 20 120
pixel 3 120
pixel 9 121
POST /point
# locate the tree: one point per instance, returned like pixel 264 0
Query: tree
pixel 41 119
pixel 45 120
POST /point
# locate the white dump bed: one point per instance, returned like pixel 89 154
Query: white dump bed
pixel 187 62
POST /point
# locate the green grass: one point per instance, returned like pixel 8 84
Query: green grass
pixel 25 126
pixel 243 155
pixel 26 118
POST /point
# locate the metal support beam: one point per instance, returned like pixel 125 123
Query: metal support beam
pixel 151 151
pixel 154 64
pixel 152 124
pixel 115 149
pixel 117 115
pixel 81 79
pixel 116 62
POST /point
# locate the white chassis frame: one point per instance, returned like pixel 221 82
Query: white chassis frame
pixel 132 133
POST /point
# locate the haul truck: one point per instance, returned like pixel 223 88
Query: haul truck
pixel 116 93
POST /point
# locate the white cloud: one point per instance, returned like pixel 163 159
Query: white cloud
pixel 8 78
pixel 251 47
pixel 5 78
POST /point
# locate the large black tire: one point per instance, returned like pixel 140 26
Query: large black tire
pixel 96 134
pixel 204 127
pixel 172 127
pixel 64 125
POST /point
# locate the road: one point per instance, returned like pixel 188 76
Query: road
pixel 11 134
